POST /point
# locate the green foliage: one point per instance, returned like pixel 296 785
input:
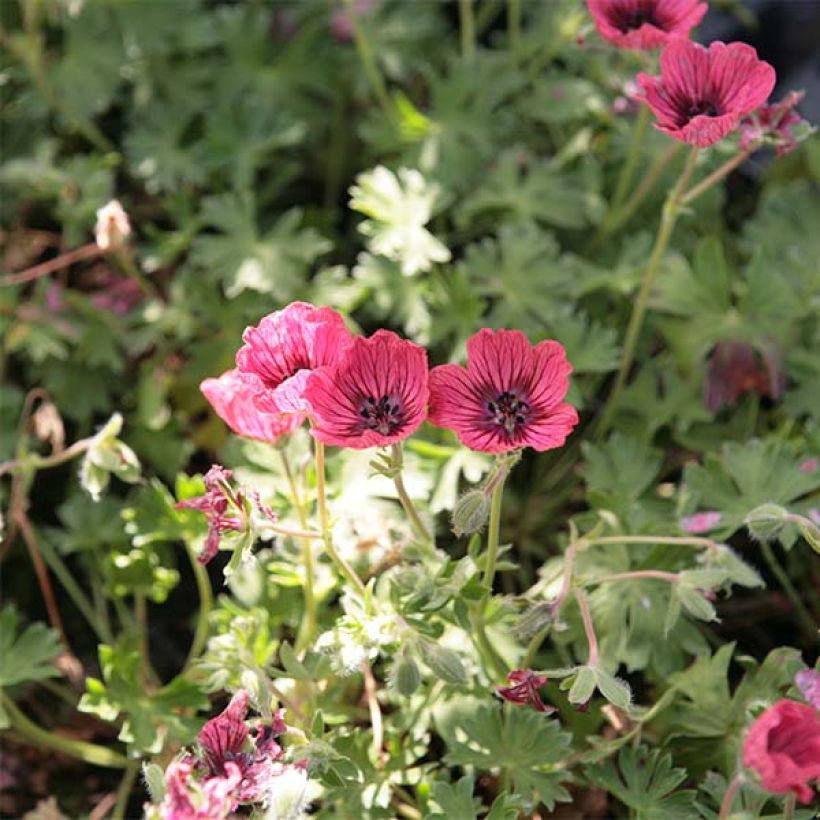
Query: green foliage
pixel 29 654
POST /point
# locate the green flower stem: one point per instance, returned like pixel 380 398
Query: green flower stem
pixel 321 502
pixel 707 182
pixel 589 629
pixel 807 623
pixel 494 665
pixel 421 531
pixel 692 541
pixel 633 156
pixel 468 34
pixel 307 628
pixel 35 462
pixel 493 528
pixel 37 736
pixel 206 602
pixel 669 216
pixel 514 23
pixel 124 791
pixel 729 797
pixel 368 61
pixel 657 574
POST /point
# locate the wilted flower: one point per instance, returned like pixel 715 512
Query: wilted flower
pixel 773 124
pixel 808 682
pixel 702 94
pixel 783 747
pixel 285 347
pixel 524 689
pixel 232 396
pixel 645 24
pixel 399 207
pixel 112 226
pixel 374 395
pixel 700 522
pixel 734 368
pixel 510 395
pixel 226 509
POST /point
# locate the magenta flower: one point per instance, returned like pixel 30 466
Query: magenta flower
pixel 773 124
pixel 700 522
pixel 510 395
pixel 645 24
pixel 285 347
pixel 374 395
pixel 525 689
pixel 702 94
pixel 232 396
pixel 189 799
pixel 734 369
pixel 808 682
pixel 225 508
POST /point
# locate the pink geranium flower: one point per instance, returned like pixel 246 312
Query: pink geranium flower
pixel 783 747
pixel 232 396
pixel 702 94
pixel 374 395
pixel 773 124
pixel 285 347
pixel 509 396
pixel 524 689
pixel 645 24
pixel 700 522
pixel 189 799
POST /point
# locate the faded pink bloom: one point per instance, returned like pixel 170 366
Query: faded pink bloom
pixel 700 522
pixel 808 682
pixel 702 94
pixel 734 369
pixel 809 465
pixel 112 226
pixel 119 296
pixel 509 396
pixel 285 347
pixel 773 124
pixel 783 746
pixel 189 799
pixel 645 24
pixel 232 396
pixel 524 689
pixel 225 508
pixel 375 395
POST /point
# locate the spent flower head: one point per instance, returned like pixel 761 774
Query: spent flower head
pixel 398 207
pixel 776 124
pixel 112 226
pixel 523 689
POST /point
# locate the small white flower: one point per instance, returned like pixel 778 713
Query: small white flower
pixel 112 226
pixel 399 207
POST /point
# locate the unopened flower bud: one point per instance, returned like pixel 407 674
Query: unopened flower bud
pixel 112 226
pixel 766 521
pixel 471 513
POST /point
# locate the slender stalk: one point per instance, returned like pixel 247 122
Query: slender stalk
pixel 494 665
pixel 514 23
pixel 307 628
pixel 321 502
pixel 417 524
pixel 370 690
pixel 716 175
pixel 656 574
pixel 368 61
pixel 89 251
pixel 493 529
pixel 124 791
pixel 35 462
pixel 788 806
pixel 589 629
pixel 206 601
pixel 37 736
pixel 693 541
pixel 533 647
pixel 667 224
pixel 807 623
pixel 141 615
pixel 633 155
pixel 467 23
pixel 729 797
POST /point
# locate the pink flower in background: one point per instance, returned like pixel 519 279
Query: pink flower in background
pixel 510 395
pixel 120 296
pixel 524 689
pixel 735 368
pixel 232 396
pixel 112 226
pixel 340 23
pixel 700 522
pixel 808 682
pixel 645 24
pixel 702 94
pixel 809 465
pixel 376 394
pixel 285 347
pixel 773 123
pixel 783 747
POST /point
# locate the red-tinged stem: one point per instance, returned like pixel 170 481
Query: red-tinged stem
pixel 589 629
pixel 657 574
pixel 729 797
pixel 718 174
pixel 88 251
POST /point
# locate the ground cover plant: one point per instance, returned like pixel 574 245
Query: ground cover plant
pixel 409 410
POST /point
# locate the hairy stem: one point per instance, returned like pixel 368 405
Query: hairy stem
pixel 493 529
pixel 718 174
pixel 656 574
pixel 729 797
pixel 420 530
pixel 589 629
pixel 124 791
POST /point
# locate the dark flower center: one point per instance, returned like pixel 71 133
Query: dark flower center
pixel 706 107
pixel 384 416
pixel 508 411
pixel 629 17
